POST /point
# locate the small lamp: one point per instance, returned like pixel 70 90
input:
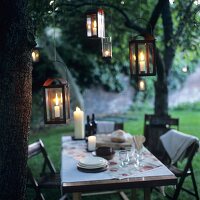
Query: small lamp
pixel 185 69
pixel 142 56
pixel 56 101
pixel 95 23
pixel 141 85
pixel 107 47
pixel 35 55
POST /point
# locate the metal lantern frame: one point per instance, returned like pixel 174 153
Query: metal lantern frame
pixel 63 86
pixel 149 64
pixel 98 16
pixel 107 47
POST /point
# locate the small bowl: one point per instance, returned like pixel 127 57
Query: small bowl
pixel 105 152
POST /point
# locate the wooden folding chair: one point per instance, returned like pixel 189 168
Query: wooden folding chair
pixel 154 127
pixel 182 172
pixel 48 177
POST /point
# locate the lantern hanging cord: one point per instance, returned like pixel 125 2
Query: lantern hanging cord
pixel 54 31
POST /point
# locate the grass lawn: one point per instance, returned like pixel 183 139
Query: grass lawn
pixel 189 123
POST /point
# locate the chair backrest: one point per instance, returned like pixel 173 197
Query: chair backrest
pixel 108 126
pixel 37 148
pixel 154 127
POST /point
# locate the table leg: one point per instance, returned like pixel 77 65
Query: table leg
pixel 133 194
pixel 147 194
pixel 76 196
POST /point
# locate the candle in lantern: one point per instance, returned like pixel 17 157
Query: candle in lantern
pixel 91 143
pixel 57 107
pixel 142 61
pixel 35 55
pixel 141 85
pixel 79 124
pixel 94 27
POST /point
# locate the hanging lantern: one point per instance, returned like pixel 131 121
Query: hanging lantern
pixel 141 85
pixel 142 57
pixel 35 55
pixel 185 69
pixel 95 24
pixel 56 101
pixel 107 47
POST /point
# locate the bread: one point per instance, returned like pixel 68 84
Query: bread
pixel 118 136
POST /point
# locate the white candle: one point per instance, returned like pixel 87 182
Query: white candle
pixel 142 61
pixel 57 107
pixel 79 128
pixel 91 143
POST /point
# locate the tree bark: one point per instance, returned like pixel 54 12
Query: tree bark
pixel 161 85
pixel 16 42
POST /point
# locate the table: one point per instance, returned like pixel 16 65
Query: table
pixel 76 182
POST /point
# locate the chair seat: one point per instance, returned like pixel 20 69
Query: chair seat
pixel 178 172
pixel 50 181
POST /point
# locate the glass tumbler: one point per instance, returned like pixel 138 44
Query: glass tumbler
pixel 124 158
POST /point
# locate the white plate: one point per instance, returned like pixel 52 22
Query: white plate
pixel 93 161
pixel 99 165
pixel 91 167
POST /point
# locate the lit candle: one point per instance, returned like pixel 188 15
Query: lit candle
pixel 107 53
pixel 141 85
pixel 142 61
pixel 57 107
pixel 79 124
pixel 35 56
pixel 91 143
pixel 94 27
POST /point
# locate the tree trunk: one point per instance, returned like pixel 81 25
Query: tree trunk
pixel 163 67
pixel 15 98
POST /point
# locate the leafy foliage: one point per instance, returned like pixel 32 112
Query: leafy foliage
pixel 83 56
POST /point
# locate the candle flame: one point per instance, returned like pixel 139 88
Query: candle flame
pixel 141 56
pixel 56 99
pixel 77 108
pixel 95 24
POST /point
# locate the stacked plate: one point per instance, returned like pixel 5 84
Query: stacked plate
pixel 92 164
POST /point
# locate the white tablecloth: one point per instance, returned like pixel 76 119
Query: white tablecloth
pixel 73 151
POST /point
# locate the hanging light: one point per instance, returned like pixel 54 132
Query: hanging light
pixel 142 56
pixel 95 23
pixel 35 55
pixel 185 69
pixel 107 47
pixel 141 85
pixel 56 101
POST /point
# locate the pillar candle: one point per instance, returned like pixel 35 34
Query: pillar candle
pixel 91 143
pixel 79 128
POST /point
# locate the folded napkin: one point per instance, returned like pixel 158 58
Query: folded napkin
pixel 138 140
pixel 176 144
pixel 105 126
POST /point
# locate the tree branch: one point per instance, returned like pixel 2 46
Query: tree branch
pixel 155 15
pixel 179 32
pixel 127 22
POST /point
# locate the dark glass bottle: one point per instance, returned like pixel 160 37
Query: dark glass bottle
pixel 94 125
pixel 87 127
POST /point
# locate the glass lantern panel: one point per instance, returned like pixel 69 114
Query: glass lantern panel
pixel 107 47
pixel 101 26
pixel 94 24
pixel 150 58
pixel 35 55
pixel 132 55
pixel 67 102
pixel 142 61
pixel 89 26
pixel 54 104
